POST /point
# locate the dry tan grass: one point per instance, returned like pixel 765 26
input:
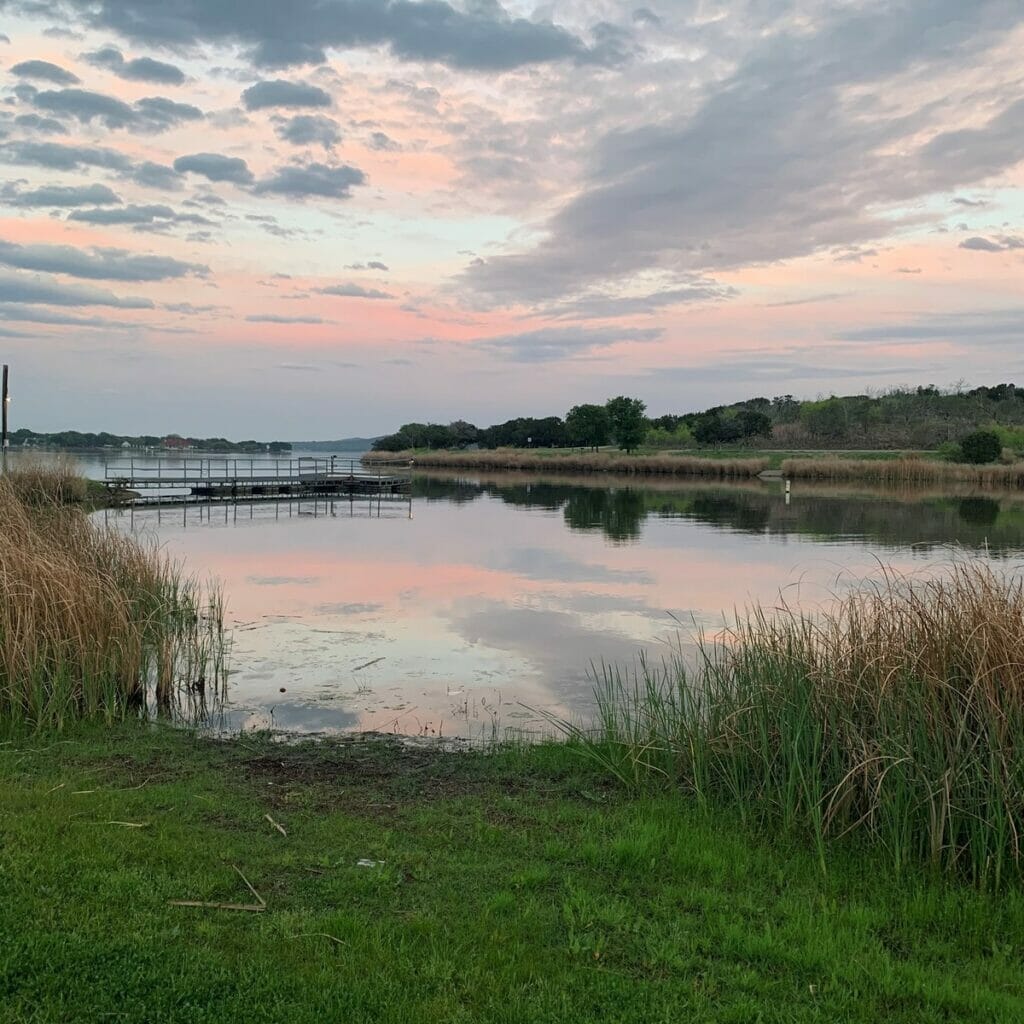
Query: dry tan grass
pixel 585 462
pixel 47 480
pixel 93 621
pixel 905 471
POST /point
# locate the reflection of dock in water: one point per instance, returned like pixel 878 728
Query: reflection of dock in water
pixel 215 480
pixel 201 512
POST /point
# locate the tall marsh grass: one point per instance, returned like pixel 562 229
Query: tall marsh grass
pixel 95 623
pixel 41 481
pixel 897 715
pixel 582 462
pixel 896 472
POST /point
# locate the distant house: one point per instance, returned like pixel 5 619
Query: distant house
pixel 176 443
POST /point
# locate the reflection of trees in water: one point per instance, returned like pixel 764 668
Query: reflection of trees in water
pixel 732 511
pixel 620 512
pixel 982 511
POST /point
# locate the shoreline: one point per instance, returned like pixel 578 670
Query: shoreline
pixel 586 462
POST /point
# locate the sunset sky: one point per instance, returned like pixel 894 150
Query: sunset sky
pixel 320 218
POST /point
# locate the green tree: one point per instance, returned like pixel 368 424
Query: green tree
pixel 981 446
pixel 463 434
pixel 588 425
pixel 754 424
pixel 628 422
pixel 825 419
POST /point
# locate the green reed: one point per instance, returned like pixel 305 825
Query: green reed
pixel 897 715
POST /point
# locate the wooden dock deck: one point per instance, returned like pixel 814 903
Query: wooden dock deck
pixel 195 480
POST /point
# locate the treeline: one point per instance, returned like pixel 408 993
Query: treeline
pixel 920 417
pixel 620 420
pixel 71 440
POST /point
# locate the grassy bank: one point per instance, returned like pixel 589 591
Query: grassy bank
pixel 904 472
pixel 578 462
pixel 515 886
pixel 895 715
pixel 94 622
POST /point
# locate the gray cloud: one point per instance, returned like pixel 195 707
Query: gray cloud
pixel 776 161
pixel 1002 243
pixel 63 196
pixel 139 69
pixel 157 113
pixel 645 16
pixel 46 125
pixel 44 71
pixel 39 315
pixel 306 129
pixel 215 167
pixel 823 297
pixel 551 344
pixel 999 324
pixel 313 179
pixel 383 143
pixel 370 265
pixel 353 291
pixel 158 176
pixel 61 157
pixel 481 37
pixel 95 264
pixel 4 38
pixel 155 216
pixel 20 288
pixel 599 306
pixel 279 93
pixel 271 318
pixel 152 114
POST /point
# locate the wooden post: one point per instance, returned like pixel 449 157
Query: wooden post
pixel 4 399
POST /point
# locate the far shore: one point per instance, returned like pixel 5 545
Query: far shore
pixel 891 467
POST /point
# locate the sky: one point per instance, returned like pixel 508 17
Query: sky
pixel 325 218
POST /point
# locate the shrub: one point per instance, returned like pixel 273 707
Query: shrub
pixel 981 446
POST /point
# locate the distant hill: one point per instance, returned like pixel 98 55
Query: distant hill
pixel 346 444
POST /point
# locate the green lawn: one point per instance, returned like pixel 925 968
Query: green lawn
pixel 516 886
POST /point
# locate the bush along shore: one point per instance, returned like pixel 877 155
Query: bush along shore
pixel 95 622
pixel 583 462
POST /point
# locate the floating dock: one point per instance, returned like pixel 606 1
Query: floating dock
pixel 173 481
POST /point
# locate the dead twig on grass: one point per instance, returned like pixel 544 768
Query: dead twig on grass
pixel 278 826
pixel 252 908
pixel 248 885
pixel 319 935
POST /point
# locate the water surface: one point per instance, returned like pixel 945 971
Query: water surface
pixel 489 598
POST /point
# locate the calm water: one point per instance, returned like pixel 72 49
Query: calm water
pixel 497 593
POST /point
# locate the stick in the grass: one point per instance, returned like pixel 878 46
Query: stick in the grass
pixel 252 908
pixel 277 825
pixel 248 885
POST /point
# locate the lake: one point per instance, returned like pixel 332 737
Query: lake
pixel 488 598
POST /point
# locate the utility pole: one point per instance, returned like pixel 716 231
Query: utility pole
pixel 4 399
